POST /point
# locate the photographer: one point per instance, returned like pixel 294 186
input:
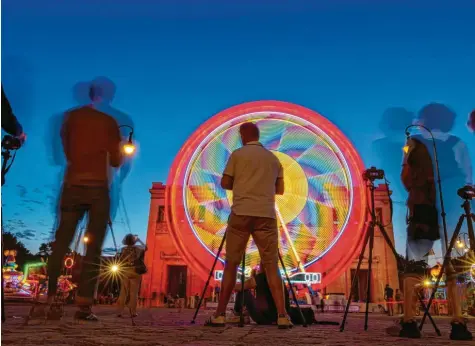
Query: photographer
pixel 131 257
pixel 424 226
pixel 92 146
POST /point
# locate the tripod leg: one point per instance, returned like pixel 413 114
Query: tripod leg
pixel 209 278
pixel 243 279
pixel 113 237
pixel 370 267
pixel 3 298
pixel 353 282
pixel 426 311
pixel 304 321
pixel 447 258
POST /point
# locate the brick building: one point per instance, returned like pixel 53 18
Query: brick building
pixel 168 272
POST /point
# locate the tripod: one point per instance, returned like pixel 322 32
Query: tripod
pixel 369 237
pixel 469 216
pixel 243 266
pixel 6 157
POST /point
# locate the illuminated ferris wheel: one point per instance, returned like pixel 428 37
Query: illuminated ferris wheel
pixel 321 213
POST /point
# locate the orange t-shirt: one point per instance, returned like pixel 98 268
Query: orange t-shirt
pixel 92 145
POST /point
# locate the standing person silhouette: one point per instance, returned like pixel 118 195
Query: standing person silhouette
pixel 255 176
pixel 130 278
pixel 92 145
pixel 81 97
pixel 419 176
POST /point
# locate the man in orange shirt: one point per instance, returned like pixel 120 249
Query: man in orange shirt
pixel 92 146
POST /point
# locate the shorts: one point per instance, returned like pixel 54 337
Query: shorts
pixel 264 232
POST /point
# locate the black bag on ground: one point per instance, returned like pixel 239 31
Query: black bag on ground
pixel 307 313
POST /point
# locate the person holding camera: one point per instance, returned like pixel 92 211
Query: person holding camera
pixel 132 260
pixel 92 146
pixel 255 176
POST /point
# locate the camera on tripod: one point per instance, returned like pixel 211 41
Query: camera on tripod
pixel 11 143
pixel 373 174
pixel 466 192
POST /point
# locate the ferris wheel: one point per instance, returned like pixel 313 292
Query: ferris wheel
pixel 321 214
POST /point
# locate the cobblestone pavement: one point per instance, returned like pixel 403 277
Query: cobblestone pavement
pixel 170 327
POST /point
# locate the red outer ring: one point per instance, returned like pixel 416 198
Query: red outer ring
pixel 66 265
pixel 335 261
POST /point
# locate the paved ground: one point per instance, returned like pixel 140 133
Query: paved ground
pixel 168 327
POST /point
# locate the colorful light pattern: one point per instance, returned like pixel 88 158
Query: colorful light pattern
pixel 320 215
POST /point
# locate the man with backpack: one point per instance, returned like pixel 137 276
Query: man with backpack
pixel 131 271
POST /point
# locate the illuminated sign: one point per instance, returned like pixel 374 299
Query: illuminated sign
pixel 295 278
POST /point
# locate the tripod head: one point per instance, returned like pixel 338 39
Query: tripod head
pixel 467 192
pixel 373 174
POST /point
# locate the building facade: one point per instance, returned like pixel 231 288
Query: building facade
pixel 169 274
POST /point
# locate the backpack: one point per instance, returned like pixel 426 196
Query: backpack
pixel 307 313
pixel 139 264
pixel 134 261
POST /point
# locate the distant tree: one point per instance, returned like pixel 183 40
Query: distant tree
pixel 45 250
pixel 10 242
pixel 404 265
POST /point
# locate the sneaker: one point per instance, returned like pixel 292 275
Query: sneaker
pixel 85 314
pixel 410 330
pixel 235 317
pixel 283 322
pixel 216 321
pixel 460 332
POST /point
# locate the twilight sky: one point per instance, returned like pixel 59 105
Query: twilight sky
pixel 176 63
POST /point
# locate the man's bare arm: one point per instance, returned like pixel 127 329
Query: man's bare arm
pixel 279 186
pixel 227 182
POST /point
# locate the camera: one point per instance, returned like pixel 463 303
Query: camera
pixel 373 173
pixel 11 143
pixel 466 192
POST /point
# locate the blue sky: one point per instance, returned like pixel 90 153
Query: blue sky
pixel 176 63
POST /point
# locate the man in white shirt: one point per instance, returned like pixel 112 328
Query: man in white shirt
pixel 255 176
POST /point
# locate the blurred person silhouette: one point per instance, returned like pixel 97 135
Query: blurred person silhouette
pixel 454 161
pixel 387 156
pixel 81 98
pixel 424 221
pixel 255 176
pixel 92 145
pixel 387 150
pixel 131 259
